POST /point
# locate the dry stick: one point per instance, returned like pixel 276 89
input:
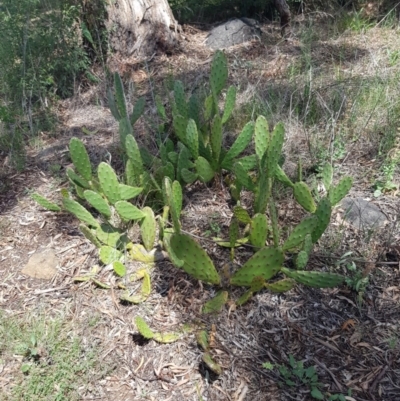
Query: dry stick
pixel 338 385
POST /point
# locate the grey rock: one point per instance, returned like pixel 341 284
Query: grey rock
pixel 42 265
pixel 363 214
pixel 233 32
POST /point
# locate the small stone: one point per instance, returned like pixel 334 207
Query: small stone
pixel 363 214
pixel 42 265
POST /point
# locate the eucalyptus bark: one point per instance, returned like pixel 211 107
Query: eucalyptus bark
pixel 141 27
pixel 284 13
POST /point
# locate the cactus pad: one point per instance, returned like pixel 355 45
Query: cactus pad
pixel 127 211
pixel 202 339
pixel 261 136
pixel 127 192
pixel 336 194
pixel 242 177
pixel 148 228
pixel 109 255
pixel 244 298
pixel 109 182
pixel 281 176
pixel 133 152
pixel 297 236
pixel 180 99
pixel 265 263
pixel 216 304
pixel 229 103
pixel 80 158
pixel 258 230
pixel 143 328
pixel 204 169
pixel 211 364
pixel 137 111
pixel 219 73
pixel 283 285
pixel 301 260
pixel 192 138
pixel 241 214
pixel 216 139
pixel 303 195
pixel 323 214
pixel 327 175
pixel 119 268
pixel 108 235
pixel 188 176
pixel 98 202
pixel 315 279
pixel 77 179
pixel 79 211
pixel 196 261
pixel 88 234
pixel 45 203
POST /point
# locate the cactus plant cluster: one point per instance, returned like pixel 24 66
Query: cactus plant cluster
pixel 198 154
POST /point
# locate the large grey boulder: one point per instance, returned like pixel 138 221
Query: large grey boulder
pixel 233 32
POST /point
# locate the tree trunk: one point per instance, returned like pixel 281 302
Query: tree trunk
pixel 141 27
pixel 284 13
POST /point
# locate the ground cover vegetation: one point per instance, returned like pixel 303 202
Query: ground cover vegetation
pixel 136 212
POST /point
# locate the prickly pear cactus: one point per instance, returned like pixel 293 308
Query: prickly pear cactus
pixel 303 195
pixel 53 207
pixel 219 73
pixel 80 158
pixel 265 263
pixel 314 279
pixel 109 182
pixel 216 304
pixel 148 228
pixel 258 230
pixel 283 285
pixel 336 194
pixel 98 202
pixel 196 262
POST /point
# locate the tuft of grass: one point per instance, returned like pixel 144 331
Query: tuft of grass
pixel 47 360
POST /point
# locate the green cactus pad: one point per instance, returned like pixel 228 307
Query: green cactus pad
pixel 180 124
pixel 131 176
pixel 148 228
pixel 327 175
pixel 108 254
pixel 112 105
pixel 173 258
pixel 138 110
pixel 108 182
pixel 109 235
pixel 45 203
pixel 77 179
pixel 315 279
pixel 261 136
pixel 297 236
pixel 167 170
pixel 283 285
pixel 180 99
pixel 79 192
pixel 216 140
pixel 227 244
pixel 243 177
pixel 233 233
pixel 238 146
pixel 204 169
pixel 274 223
pixel 100 284
pixel 244 298
pixel 166 338
pixel 323 214
pixel 89 234
pixel 241 214
pixel 79 211
pixel 192 138
pixel 216 304
pixel 229 103
pixel 301 260
pixel 263 194
pixel 196 261
pixel 265 263
pixel 173 158
pixel 202 339
pixel 275 149
pixel 281 176
pixel 64 193
pixel 209 108
pixel 127 192
pixel 160 108
pixel 143 328
pixel 219 73
pixel 257 284
pixel 303 195
pixel 258 230
pixel 337 193
pixel 176 198
pixel 98 202
pixel 194 108
pixel 134 154
pixel 127 211
pixel 119 268
pixel 80 158
pixel 119 95
pixel 125 129
pixel 248 162
pixel 211 364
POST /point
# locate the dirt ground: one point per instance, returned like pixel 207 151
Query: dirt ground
pixel 353 345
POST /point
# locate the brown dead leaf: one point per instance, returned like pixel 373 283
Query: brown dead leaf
pixel 349 323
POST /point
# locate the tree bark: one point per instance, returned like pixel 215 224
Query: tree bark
pixel 284 13
pixel 141 27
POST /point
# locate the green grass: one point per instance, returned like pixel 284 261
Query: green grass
pixel 49 362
